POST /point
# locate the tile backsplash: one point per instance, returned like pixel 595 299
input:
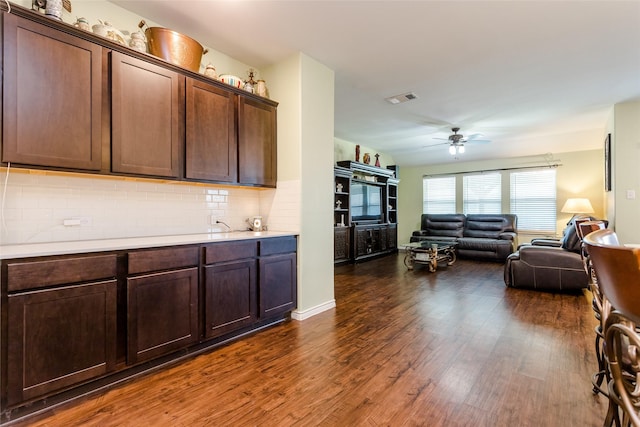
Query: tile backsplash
pixel 36 204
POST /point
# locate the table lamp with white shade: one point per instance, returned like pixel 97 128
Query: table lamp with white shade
pixel 577 206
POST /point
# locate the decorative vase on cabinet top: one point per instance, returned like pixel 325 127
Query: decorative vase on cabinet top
pixel 53 9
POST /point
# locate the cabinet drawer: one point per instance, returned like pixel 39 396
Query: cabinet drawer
pixel 162 259
pixel 280 245
pixel 22 275
pixel 229 251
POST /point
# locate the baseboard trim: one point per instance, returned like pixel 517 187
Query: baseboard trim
pixel 310 312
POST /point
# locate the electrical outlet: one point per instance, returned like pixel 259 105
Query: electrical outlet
pixel 81 221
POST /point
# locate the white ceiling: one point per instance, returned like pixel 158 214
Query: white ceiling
pixel 534 77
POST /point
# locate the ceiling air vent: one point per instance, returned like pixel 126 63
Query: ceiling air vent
pixel 401 98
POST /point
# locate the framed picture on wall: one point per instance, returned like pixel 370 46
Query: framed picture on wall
pixel 607 163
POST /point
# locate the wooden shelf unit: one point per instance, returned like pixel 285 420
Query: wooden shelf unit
pixel 354 240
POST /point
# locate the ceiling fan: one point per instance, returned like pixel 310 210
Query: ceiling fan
pixel 457 141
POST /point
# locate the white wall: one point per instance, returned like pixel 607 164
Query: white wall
pixel 317 95
pixel 304 88
pixel 345 150
pixel 626 170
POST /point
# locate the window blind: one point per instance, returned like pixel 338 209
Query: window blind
pixel 482 193
pixel 439 195
pixel 533 199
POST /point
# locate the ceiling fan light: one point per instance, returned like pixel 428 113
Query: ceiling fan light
pixel 461 149
pixel 452 150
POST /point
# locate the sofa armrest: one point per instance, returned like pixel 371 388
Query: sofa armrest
pixel 550 257
pixel 555 243
pixel 507 235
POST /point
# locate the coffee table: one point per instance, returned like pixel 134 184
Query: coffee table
pixel 430 252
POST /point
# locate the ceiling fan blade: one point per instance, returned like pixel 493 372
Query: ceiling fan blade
pixel 440 144
pixel 475 136
pixel 420 148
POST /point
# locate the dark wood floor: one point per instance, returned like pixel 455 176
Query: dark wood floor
pixel 402 348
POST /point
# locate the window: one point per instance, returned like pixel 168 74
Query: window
pixel 439 195
pixel 533 199
pixel 482 194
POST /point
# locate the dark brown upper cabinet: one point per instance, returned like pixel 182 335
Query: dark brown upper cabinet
pixel 145 118
pixel 211 141
pixel 52 99
pixel 74 101
pixel 257 142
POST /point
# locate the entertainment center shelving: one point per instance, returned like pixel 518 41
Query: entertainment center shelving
pixel 365 211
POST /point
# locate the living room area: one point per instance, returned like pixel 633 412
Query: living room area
pixel 539 362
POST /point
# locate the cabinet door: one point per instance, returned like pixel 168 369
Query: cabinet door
pixel 230 296
pixel 162 313
pixel 52 97
pixel 256 142
pixel 362 241
pixel 60 337
pixel 211 144
pixel 145 122
pixel 392 237
pixel 382 240
pixel 341 244
pixel 278 284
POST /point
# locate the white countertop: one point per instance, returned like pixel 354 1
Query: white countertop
pixel 86 246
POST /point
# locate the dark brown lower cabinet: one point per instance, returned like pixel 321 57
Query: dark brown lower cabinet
pixel 230 296
pixel 374 239
pixel 278 284
pixel 59 337
pixel 162 313
pixel 73 319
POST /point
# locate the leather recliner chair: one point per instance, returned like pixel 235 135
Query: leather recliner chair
pixel 550 265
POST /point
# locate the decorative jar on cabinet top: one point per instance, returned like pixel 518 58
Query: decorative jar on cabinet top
pixel 261 88
pixel 138 42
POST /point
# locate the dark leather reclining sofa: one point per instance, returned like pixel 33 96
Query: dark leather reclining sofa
pixel 549 264
pixel 483 236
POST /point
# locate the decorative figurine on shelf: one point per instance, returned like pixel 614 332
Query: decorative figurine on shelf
pixel 339 187
pixel 138 42
pixel 341 221
pixel 357 153
pixel 366 158
pixel 377 160
pixel 210 71
pixel 83 24
pixel 338 204
pixel 250 84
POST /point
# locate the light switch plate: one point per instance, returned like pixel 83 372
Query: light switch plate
pixel 631 194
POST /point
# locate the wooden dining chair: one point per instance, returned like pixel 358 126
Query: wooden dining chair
pixel 617 269
pixel 600 305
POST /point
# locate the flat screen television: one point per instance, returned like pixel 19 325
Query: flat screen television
pixel 366 202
